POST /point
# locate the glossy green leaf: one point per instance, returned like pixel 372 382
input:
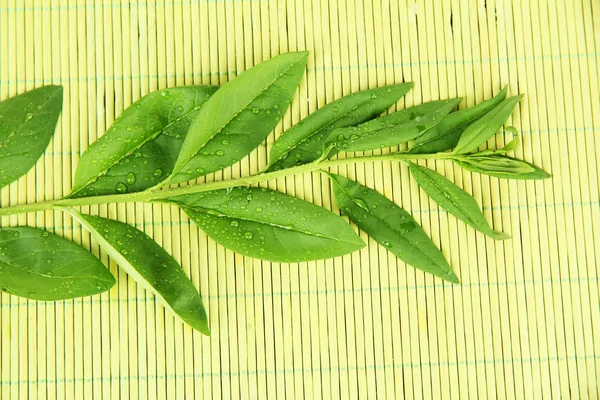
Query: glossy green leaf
pixel 150 265
pixel 446 134
pixel 391 226
pixel 239 116
pixel 141 147
pixel 484 128
pixel 392 129
pixel 453 199
pixel 27 123
pixel 39 265
pixel 503 167
pixel 270 225
pixel 303 142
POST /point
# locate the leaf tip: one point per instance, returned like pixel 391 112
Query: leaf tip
pixel 496 235
pixel 451 277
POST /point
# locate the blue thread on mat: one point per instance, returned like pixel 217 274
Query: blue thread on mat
pixel 338 292
pixel 430 364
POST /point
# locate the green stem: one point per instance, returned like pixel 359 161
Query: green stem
pixel 155 195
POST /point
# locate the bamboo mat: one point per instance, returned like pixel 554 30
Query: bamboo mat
pixel 525 323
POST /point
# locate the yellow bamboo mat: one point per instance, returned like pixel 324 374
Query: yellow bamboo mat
pixel 524 324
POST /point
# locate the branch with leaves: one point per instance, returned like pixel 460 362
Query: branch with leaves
pixel 179 134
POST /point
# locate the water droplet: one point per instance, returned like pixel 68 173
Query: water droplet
pixel 128 129
pixel 234 224
pixel 354 137
pixel 225 142
pixel 137 154
pixel 259 209
pixel 361 203
pixel 386 243
pixel 16 234
pixel 124 252
pixel 121 187
pixel 374 96
pixel 49 273
pixel 100 286
pixel 275 106
pixel 335 109
pixel 49 261
pixel 268 112
pixel 255 110
pixel 130 178
pixel 28 116
pixel 248 235
pixel 45 234
pixel 219 152
pixel 341 137
pixel 158 172
pixel 200 170
pixel 165 94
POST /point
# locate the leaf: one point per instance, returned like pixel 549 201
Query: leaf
pixel 39 265
pixel 392 129
pixel 391 226
pixel 150 265
pixel 141 147
pixel 239 116
pixel 27 123
pixel 503 167
pixel 453 199
pixel 303 142
pixel 446 134
pixel 484 128
pixel 269 225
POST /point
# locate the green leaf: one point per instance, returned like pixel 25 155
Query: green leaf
pixel 453 199
pixel 141 147
pixel 502 167
pixel 269 225
pixel 39 265
pixel 303 142
pixel 484 128
pixel 150 265
pixel 391 226
pixel 392 129
pixel 239 116
pixel 27 123
pixel 446 134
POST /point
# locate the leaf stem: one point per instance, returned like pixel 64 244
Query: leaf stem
pixel 156 195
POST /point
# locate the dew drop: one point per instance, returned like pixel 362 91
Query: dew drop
pixel 374 96
pixel 408 226
pixel 130 178
pixel 124 252
pixel 49 273
pixel 219 152
pixel 259 209
pixel 335 109
pixel 158 172
pixel 225 142
pixel 100 286
pixel 45 234
pixel 354 137
pixel 248 235
pixel 121 187
pixel 234 224
pixel 341 137
pixel 49 261
pixel 137 154
pixel 361 203
pixel 28 116
pixel 200 170
pixel 165 94
pixel 255 110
